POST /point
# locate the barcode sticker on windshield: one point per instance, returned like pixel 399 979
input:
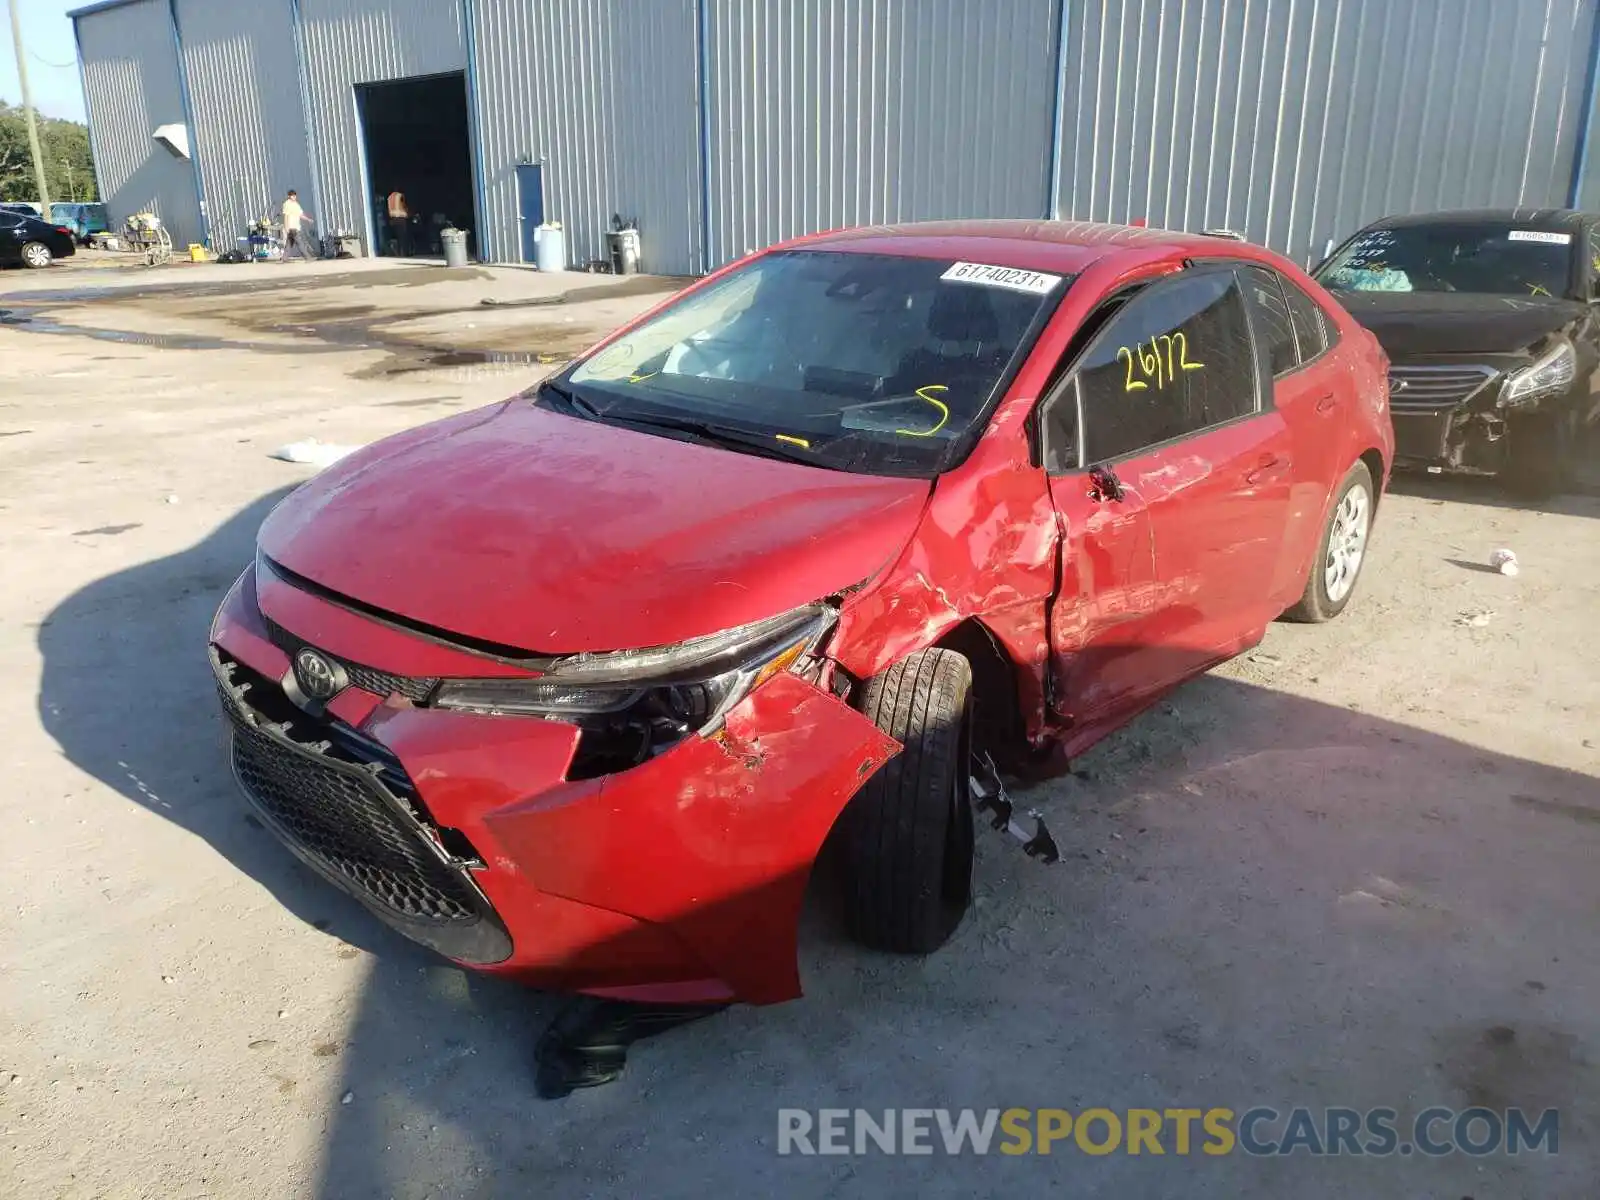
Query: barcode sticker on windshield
pixel 1539 235
pixel 1014 278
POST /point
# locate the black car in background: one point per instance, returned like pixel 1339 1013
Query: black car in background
pixel 26 239
pixel 1490 321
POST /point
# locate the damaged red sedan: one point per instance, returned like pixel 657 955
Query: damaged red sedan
pixel 575 687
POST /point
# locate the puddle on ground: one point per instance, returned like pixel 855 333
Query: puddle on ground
pixel 277 306
pixel 334 331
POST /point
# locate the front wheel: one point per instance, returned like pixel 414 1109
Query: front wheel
pixel 1341 552
pixel 908 836
pixel 36 255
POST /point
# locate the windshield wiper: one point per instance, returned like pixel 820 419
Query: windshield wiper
pixel 570 400
pixel 727 436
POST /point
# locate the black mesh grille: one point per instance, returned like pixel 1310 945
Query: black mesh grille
pixel 380 683
pixel 344 822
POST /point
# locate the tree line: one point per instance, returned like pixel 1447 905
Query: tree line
pixel 69 169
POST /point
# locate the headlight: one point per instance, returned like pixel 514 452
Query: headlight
pixel 1550 374
pixel 688 686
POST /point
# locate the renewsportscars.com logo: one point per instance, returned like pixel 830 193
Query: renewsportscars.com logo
pixel 1212 1131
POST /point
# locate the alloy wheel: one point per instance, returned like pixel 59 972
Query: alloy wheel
pixel 1347 543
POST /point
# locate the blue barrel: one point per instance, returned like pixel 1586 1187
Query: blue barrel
pixel 550 248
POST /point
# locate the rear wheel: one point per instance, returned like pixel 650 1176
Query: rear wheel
pixel 908 836
pixel 36 255
pixel 1341 552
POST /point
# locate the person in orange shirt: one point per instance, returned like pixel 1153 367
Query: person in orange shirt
pixel 399 223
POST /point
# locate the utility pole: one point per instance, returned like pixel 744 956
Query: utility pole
pixel 27 108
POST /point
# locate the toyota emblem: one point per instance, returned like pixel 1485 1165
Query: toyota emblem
pixel 318 678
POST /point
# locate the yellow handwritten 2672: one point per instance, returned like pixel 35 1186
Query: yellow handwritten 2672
pixel 1159 364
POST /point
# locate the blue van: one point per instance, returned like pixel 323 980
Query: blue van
pixel 85 220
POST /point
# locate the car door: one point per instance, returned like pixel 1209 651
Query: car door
pixel 12 236
pixel 1316 399
pixel 1219 496
pixel 1106 599
pixel 1171 489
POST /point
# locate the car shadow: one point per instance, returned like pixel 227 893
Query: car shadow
pixel 1582 501
pixel 1263 898
pixel 134 642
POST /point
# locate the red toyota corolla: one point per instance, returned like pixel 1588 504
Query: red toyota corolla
pixel 575 687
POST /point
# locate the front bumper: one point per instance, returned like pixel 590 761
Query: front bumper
pixel 678 880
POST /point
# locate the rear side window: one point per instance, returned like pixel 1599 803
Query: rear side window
pixel 1310 323
pixel 1175 360
pixel 1273 324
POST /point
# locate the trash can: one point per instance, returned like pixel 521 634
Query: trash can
pixel 550 247
pixel 455 246
pixel 622 248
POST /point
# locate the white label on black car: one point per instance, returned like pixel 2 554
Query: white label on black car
pixel 1539 235
pixel 1015 278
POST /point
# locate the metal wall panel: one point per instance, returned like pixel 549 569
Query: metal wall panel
pixel 844 112
pixel 131 88
pixel 364 41
pixel 604 94
pixel 249 123
pixel 1298 121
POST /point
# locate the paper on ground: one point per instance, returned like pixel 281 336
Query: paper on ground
pixel 313 452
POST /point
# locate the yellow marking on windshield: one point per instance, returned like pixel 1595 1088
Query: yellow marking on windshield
pixel 944 410
pixel 792 440
pixel 643 377
pixel 1536 290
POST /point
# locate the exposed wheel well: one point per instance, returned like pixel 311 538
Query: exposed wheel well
pixel 997 714
pixel 1374 465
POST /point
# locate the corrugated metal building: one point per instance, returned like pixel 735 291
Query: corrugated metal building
pixel 723 125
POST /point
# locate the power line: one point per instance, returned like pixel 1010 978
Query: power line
pixel 67 66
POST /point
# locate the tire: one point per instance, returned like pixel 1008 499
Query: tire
pixel 908 836
pixel 36 255
pixel 1539 454
pixel 1325 597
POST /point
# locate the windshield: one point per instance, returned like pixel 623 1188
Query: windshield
pixel 860 362
pixel 1484 258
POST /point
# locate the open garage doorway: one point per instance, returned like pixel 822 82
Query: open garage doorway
pixel 418 143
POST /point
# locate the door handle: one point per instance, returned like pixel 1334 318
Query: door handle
pixel 1327 403
pixel 1267 466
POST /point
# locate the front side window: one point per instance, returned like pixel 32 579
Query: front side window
pixel 1492 258
pixel 1177 359
pixel 861 362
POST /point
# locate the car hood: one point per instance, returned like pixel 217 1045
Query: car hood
pixel 1408 324
pixel 548 534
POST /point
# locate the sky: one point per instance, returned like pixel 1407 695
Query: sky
pixel 52 57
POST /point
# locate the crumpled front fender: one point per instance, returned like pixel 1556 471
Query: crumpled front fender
pixel 714 839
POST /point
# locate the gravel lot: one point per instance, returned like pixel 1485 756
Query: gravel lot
pixel 1357 867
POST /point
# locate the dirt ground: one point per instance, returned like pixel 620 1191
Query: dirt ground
pixel 1356 867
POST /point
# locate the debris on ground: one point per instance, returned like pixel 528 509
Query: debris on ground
pixel 1505 562
pixel 313 453
pixel 1476 620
